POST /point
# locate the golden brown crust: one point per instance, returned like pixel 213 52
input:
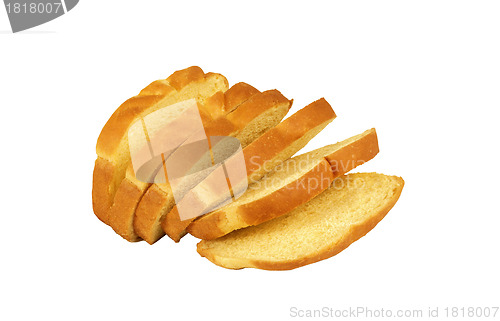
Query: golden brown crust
pixel 208 227
pixel 354 234
pixel 181 78
pixel 157 87
pixel 238 94
pixel 102 179
pixel 153 201
pixel 122 212
pixel 218 76
pixel 125 202
pixel 354 154
pixel 214 106
pixel 255 106
pixel 173 226
pixel 222 103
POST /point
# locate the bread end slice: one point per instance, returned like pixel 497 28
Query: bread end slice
pixel 315 231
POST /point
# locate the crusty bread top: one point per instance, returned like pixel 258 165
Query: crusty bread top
pixel 181 78
pixel 258 114
pixel 229 100
pixel 321 228
pixel 181 85
pixel 236 95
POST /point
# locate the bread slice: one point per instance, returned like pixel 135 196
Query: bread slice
pixel 250 120
pixel 112 145
pixel 291 184
pixel 131 189
pixel 314 231
pixel 264 154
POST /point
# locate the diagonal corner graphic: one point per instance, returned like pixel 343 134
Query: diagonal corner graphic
pixel 25 14
pixel 70 4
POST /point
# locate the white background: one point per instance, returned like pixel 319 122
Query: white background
pixel 425 74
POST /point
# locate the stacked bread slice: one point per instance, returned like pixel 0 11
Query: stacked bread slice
pixel 277 200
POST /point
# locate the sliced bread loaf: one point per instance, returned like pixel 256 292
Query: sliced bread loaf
pixel 314 231
pixel 251 119
pixel 261 156
pixel 131 189
pixel 112 145
pixel 291 184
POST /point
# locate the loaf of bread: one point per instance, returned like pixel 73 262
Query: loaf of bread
pixel 314 231
pixel 250 202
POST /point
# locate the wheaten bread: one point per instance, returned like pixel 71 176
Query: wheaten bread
pixel 272 212
pixel 314 231
pixel 250 120
pixel 112 145
pixel 291 184
pixel 261 156
pixel 131 189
